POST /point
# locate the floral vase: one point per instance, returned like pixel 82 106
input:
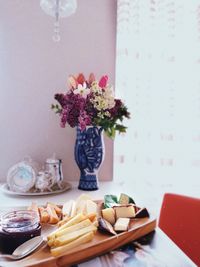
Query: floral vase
pixel 89 154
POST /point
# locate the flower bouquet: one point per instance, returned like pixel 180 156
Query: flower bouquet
pixel 91 102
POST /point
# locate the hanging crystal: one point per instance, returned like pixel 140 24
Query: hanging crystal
pixel 58 9
pixel 56 36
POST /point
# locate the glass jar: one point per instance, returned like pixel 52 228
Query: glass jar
pixel 17 227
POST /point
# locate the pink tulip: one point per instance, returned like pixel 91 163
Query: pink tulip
pixel 91 78
pixel 72 82
pixel 103 81
pixel 81 78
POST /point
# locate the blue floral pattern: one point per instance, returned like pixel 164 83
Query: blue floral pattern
pixel 89 153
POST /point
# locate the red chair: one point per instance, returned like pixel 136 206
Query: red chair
pixel 180 220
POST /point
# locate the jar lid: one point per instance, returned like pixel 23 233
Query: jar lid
pixel 52 161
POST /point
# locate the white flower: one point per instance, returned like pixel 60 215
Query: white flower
pixel 107 114
pixel 95 88
pixel 82 90
pixel 109 91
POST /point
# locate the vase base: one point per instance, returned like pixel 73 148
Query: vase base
pixel 87 189
pixel 87 185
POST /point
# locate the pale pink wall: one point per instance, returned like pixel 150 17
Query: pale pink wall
pixel 33 68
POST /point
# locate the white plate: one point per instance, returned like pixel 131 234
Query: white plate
pixel 4 188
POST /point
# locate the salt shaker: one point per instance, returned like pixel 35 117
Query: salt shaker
pixel 54 167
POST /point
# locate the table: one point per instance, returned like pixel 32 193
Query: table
pixel 154 250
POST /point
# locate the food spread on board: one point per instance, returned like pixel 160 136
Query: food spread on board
pixel 77 221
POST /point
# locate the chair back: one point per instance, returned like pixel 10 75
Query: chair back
pixel 180 220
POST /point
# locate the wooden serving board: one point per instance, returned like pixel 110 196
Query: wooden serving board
pixel 101 244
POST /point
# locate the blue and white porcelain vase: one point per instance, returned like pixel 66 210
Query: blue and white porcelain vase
pixel 89 154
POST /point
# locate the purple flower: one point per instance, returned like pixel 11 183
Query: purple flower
pixel 61 98
pixel 84 120
pixel 114 111
pixel 63 118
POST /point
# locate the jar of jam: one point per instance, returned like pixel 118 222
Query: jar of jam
pixel 16 228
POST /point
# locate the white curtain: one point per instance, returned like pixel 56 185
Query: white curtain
pixel 158 76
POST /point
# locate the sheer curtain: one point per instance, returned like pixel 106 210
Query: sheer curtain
pixel 158 76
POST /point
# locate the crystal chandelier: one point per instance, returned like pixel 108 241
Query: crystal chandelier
pixel 58 9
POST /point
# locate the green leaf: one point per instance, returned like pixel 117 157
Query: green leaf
pixel 110 201
pixel 120 128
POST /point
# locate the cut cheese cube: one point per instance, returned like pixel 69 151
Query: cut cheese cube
pixel 109 215
pixel 122 224
pixel 124 211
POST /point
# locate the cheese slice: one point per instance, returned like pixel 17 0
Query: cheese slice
pixel 80 205
pixel 77 242
pixel 67 238
pixel 122 224
pixel 81 208
pixel 91 207
pixel 124 211
pixel 74 228
pixel 67 207
pixel 78 218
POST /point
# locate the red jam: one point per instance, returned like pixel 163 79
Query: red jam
pixel 16 228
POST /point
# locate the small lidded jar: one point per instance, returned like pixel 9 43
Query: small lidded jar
pixel 17 227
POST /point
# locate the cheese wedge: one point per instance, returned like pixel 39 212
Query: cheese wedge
pixel 142 213
pixel 44 215
pixel 124 211
pixel 109 215
pixel 57 209
pixel 122 224
pixel 53 217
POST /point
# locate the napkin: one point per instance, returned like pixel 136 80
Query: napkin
pixel 114 258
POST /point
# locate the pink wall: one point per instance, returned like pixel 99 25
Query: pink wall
pixel 33 68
